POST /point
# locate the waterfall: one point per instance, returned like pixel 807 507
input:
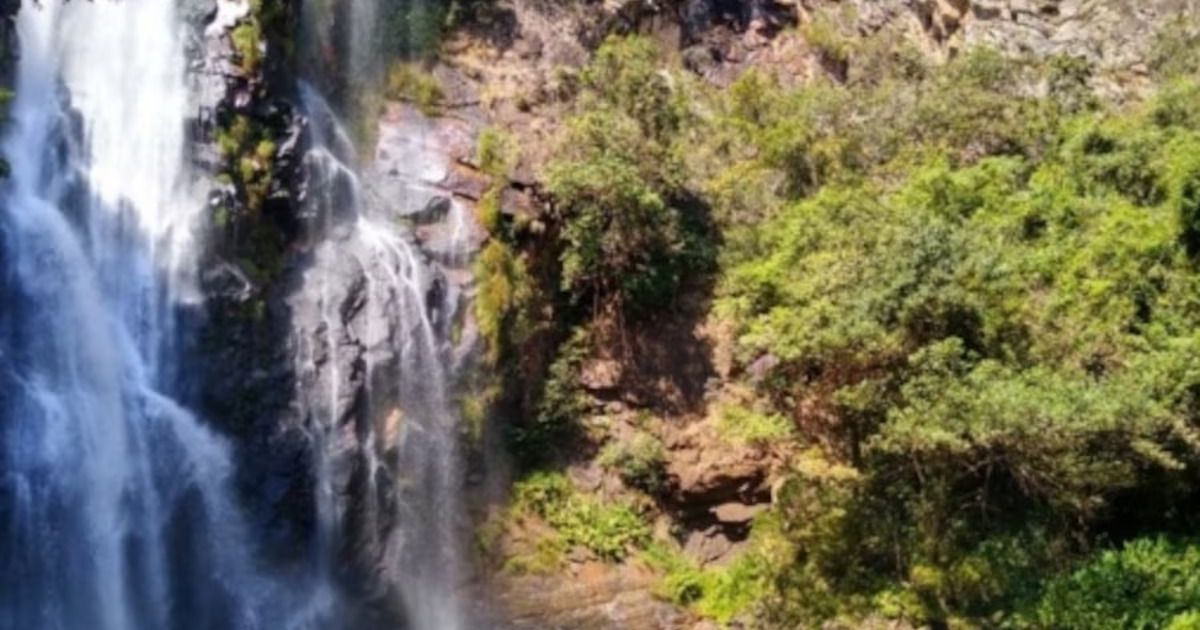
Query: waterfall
pixel 403 317
pixel 115 507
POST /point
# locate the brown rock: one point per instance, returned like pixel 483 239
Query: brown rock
pixel 601 374
pixel 465 181
pixel 597 597
pixel 708 546
pixel 736 513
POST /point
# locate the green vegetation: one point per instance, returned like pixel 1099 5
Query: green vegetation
pixel 248 44
pixel 747 426
pixel 507 294
pixel 549 556
pixel 975 302
pixel 627 233
pixel 562 405
pixel 253 233
pixel 611 530
pixel 1175 53
pixel 982 305
pixel 407 82
pixel 825 34
pixel 497 155
pixel 1149 583
pixel 638 460
pixel 249 154
pixel 503 289
pixel 733 591
pixel 266 24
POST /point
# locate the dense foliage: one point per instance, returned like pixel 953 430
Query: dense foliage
pixel 1150 583
pixel 974 288
pixel 627 233
pixel 608 530
pixel 994 327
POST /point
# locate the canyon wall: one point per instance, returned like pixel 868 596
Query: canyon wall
pixel 268 344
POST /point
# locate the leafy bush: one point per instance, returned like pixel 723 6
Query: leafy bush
pixel 970 289
pixel 626 238
pixel 740 424
pixel 990 326
pixel 249 155
pixel 1174 53
pixel 1148 583
pixel 504 287
pixel 562 405
pixel 611 530
pixel 735 590
pixel 826 35
pixel 497 153
pixel 640 461
pixel 407 82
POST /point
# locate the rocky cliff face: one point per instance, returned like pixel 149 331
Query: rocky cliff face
pixel 1116 38
pixel 300 373
pixel 301 334
pixel 520 59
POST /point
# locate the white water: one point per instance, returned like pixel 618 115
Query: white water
pixel 115 510
pixel 407 318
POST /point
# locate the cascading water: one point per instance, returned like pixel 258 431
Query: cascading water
pixel 114 505
pixel 411 453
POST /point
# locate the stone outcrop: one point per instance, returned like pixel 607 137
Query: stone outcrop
pixel 306 330
pixel 345 330
pixel 594 596
pixel 1115 38
pixel 300 365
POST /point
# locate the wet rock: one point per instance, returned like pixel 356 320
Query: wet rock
pixel 436 210
pixel 226 282
pixel 450 243
pixel 466 182
pixel 197 14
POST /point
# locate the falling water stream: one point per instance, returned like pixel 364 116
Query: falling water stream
pixel 115 505
pixel 115 509
pixel 408 313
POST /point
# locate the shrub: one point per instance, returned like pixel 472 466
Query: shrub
pixel 497 153
pixel 618 182
pixel 1148 583
pixel 825 35
pixel 504 287
pixel 407 82
pixel 640 461
pixel 611 530
pixel 1174 53
pixel 562 404
pixel 734 590
pixel 249 155
pixel 997 341
pixel 742 425
pixel 248 43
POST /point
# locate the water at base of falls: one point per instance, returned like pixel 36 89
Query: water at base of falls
pixel 115 509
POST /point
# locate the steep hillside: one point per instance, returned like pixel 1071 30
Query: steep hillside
pixel 807 311
pixel 779 314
